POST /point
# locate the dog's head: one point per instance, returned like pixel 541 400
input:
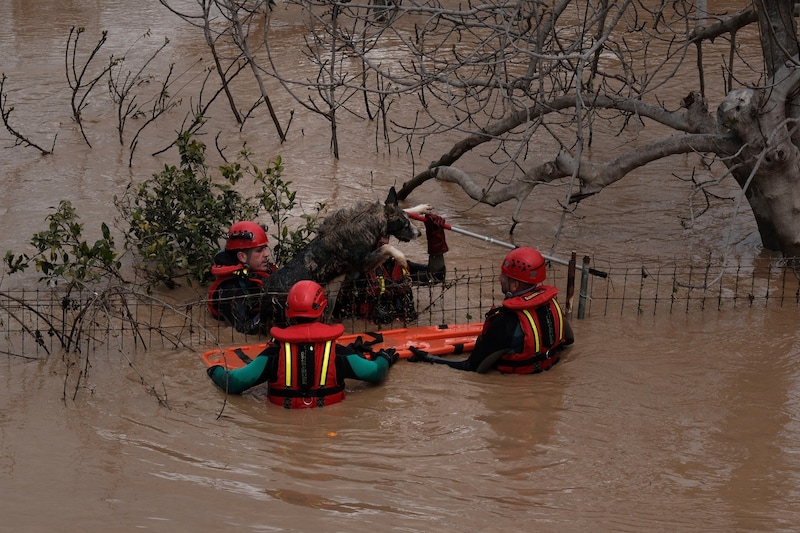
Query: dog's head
pixel 398 223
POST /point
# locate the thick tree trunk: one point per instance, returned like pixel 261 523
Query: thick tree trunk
pixel 765 120
pixel 778 33
pixel 768 166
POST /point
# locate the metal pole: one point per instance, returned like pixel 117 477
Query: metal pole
pixel 584 285
pixel 486 238
pixel 571 284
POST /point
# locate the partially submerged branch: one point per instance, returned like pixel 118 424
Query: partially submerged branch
pixel 80 82
pixel 122 88
pixel 240 37
pixel 19 138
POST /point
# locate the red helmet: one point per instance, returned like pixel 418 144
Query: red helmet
pixel 245 235
pixel 524 264
pixel 306 299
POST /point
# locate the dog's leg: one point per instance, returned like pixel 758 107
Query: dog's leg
pixel 420 209
pixel 382 254
pixel 332 288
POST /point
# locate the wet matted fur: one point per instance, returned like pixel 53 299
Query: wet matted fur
pixel 352 239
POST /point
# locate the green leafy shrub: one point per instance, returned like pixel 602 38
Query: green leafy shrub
pixel 63 254
pixel 277 199
pixel 173 224
pixel 177 218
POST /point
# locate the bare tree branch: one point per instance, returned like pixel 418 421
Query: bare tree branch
pixel 5 112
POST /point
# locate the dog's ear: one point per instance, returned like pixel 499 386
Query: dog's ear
pixel 392 198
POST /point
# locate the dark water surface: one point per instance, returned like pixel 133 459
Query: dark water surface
pixel 672 422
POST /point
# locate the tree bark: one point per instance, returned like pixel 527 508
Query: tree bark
pixel 768 166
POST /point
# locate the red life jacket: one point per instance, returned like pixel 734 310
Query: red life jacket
pixel 383 295
pixel 226 272
pixel 307 366
pixel 542 322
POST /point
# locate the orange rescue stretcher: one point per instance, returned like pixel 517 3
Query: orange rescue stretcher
pixel 447 339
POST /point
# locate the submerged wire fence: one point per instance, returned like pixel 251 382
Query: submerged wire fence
pixel 35 323
pixel 682 287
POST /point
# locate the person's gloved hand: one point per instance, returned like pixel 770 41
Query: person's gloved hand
pixel 250 326
pixel 434 232
pixel 358 346
pixel 213 369
pixel 389 354
pixel 420 356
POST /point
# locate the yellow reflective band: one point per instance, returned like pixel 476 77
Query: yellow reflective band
pixel 287 361
pixel 560 320
pixel 537 342
pixel 323 376
pixel 383 284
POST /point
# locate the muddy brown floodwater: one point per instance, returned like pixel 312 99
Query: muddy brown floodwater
pixel 671 421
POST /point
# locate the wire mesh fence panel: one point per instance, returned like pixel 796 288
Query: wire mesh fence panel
pixel 35 323
pixel 31 323
pixel 687 288
pixel 464 296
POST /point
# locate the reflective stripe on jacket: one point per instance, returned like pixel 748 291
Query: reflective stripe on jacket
pixel 307 374
pixel 542 322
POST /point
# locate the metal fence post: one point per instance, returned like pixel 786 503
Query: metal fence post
pixel 571 284
pixel 584 286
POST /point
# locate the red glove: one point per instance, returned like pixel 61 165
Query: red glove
pixel 434 231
